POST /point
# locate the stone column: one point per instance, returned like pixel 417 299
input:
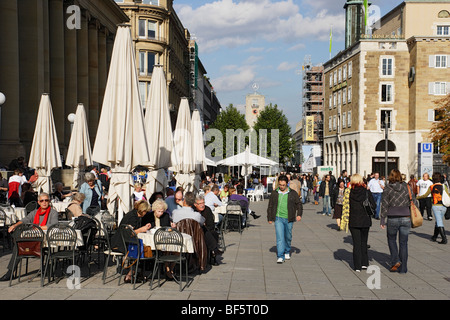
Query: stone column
pixel 102 64
pixel 82 63
pixel 93 75
pixel 9 81
pixel 56 54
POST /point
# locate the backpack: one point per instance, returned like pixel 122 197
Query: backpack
pixel 86 224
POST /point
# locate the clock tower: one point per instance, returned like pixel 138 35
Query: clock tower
pixel 254 104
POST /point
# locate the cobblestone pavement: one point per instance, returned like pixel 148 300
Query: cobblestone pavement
pixel 320 269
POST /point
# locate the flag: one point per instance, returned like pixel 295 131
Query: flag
pixel 366 12
pixel 331 37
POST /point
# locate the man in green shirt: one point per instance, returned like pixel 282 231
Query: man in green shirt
pixel 284 209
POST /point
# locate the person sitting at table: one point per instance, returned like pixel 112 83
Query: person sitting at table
pixel 186 212
pixel 158 216
pixel 44 216
pixel 211 236
pixel 243 201
pixel 175 201
pixel 74 207
pixel 28 195
pixel 134 219
pixel 59 193
pixel 224 193
pixel 92 190
pixel 211 198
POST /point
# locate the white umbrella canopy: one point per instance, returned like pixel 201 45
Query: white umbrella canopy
pixel 158 129
pixel 79 153
pixel 44 155
pixel 182 137
pixel 247 158
pixel 198 148
pixel 121 141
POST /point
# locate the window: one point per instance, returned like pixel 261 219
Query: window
pixel 385 119
pixel 151 29
pixel 344 72
pixel 335 77
pixel 434 115
pixel 443 30
pixel 340 75
pixel 387 93
pixel 441 61
pixel 334 100
pixel 330 105
pixel 150 62
pixel 438 88
pixel 334 122
pixel 350 67
pixel 344 120
pixel 153 2
pixel 331 79
pixel 143 92
pixel 339 98
pixel 387 66
pixel 330 124
pixel 146 62
pixel 344 96
pixel 349 94
pixel 142 62
pixel 141 28
pixel 148 29
pixel 349 119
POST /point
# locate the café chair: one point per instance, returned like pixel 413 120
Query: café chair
pixel 62 242
pixel 109 252
pixel 28 242
pixel 233 217
pixel 169 239
pixel 130 238
pixel 32 205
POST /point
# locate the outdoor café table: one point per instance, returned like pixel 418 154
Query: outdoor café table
pixel 11 216
pixel 220 209
pixel 148 239
pixel 60 206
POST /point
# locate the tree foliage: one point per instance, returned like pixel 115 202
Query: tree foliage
pixel 273 118
pixel 440 132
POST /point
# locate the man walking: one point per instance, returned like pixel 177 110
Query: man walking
pixel 376 186
pixel 284 209
pixel 422 187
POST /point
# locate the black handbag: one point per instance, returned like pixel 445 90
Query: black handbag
pixel 368 206
pixel 447 214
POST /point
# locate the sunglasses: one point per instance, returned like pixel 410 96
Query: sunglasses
pixel 44 200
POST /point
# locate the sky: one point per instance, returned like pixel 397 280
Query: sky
pixel 243 42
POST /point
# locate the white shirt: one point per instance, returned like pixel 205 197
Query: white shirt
pixel 211 199
pixel 375 185
pixel 187 213
pixel 423 186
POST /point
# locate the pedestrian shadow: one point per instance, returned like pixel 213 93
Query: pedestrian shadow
pixel 293 250
pixel 333 226
pixel 381 258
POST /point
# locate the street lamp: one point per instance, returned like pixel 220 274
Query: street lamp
pixel 71 118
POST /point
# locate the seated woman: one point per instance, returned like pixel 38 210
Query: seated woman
pixel 74 208
pixel 59 193
pixel 44 216
pixel 134 219
pixel 159 216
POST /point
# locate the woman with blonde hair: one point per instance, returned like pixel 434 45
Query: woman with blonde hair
pixel 355 218
pixel 158 216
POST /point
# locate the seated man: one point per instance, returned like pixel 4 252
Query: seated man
pixel 174 201
pixel 44 216
pixel 211 198
pixel 211 236
pixel 186 211
pixel 239 196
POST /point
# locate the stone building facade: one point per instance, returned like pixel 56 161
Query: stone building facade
pixel 58 47
pixel 390 78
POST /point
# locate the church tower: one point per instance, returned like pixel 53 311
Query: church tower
pixel 354 21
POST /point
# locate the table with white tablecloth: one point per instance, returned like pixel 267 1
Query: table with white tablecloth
pixel 148 240
pixel 220 209
pixel 60 206
pixel 80 241
pixel 14 215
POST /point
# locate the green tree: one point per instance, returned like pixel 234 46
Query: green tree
pixel 440 132
pixel 273 118
pixel 230 118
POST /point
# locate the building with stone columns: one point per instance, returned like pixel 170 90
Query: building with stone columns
pixel 387 79
pixel 60 47
pixel 160 38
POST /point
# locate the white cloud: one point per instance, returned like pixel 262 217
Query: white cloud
pixel 286 66
pixel 240 79
pixel 231 23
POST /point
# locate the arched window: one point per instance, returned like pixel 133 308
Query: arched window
pixel 381 146
pixel 444 14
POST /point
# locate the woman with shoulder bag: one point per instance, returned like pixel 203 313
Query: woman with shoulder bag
pixel 437 192
pixel 355 217
pixel 395 206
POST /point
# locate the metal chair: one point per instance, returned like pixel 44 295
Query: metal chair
pixel 233 216
pixel 129 237
pixel 4 229
pixel 109 252
pixel 28 241
pixel 89 229
pixel 169 239
pixel 33 205
pixel 62 242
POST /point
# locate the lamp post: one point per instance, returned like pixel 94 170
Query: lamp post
pixel 71 118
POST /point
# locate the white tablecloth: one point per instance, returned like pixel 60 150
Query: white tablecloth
pixel 14 214
pixel 220 209
pixel 147 238
pixel 60 206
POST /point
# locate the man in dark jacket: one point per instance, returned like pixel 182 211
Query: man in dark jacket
pixel 325 191
pixel 284 209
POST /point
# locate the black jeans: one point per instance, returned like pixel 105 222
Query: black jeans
pixel 425 203
pixel 360 255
